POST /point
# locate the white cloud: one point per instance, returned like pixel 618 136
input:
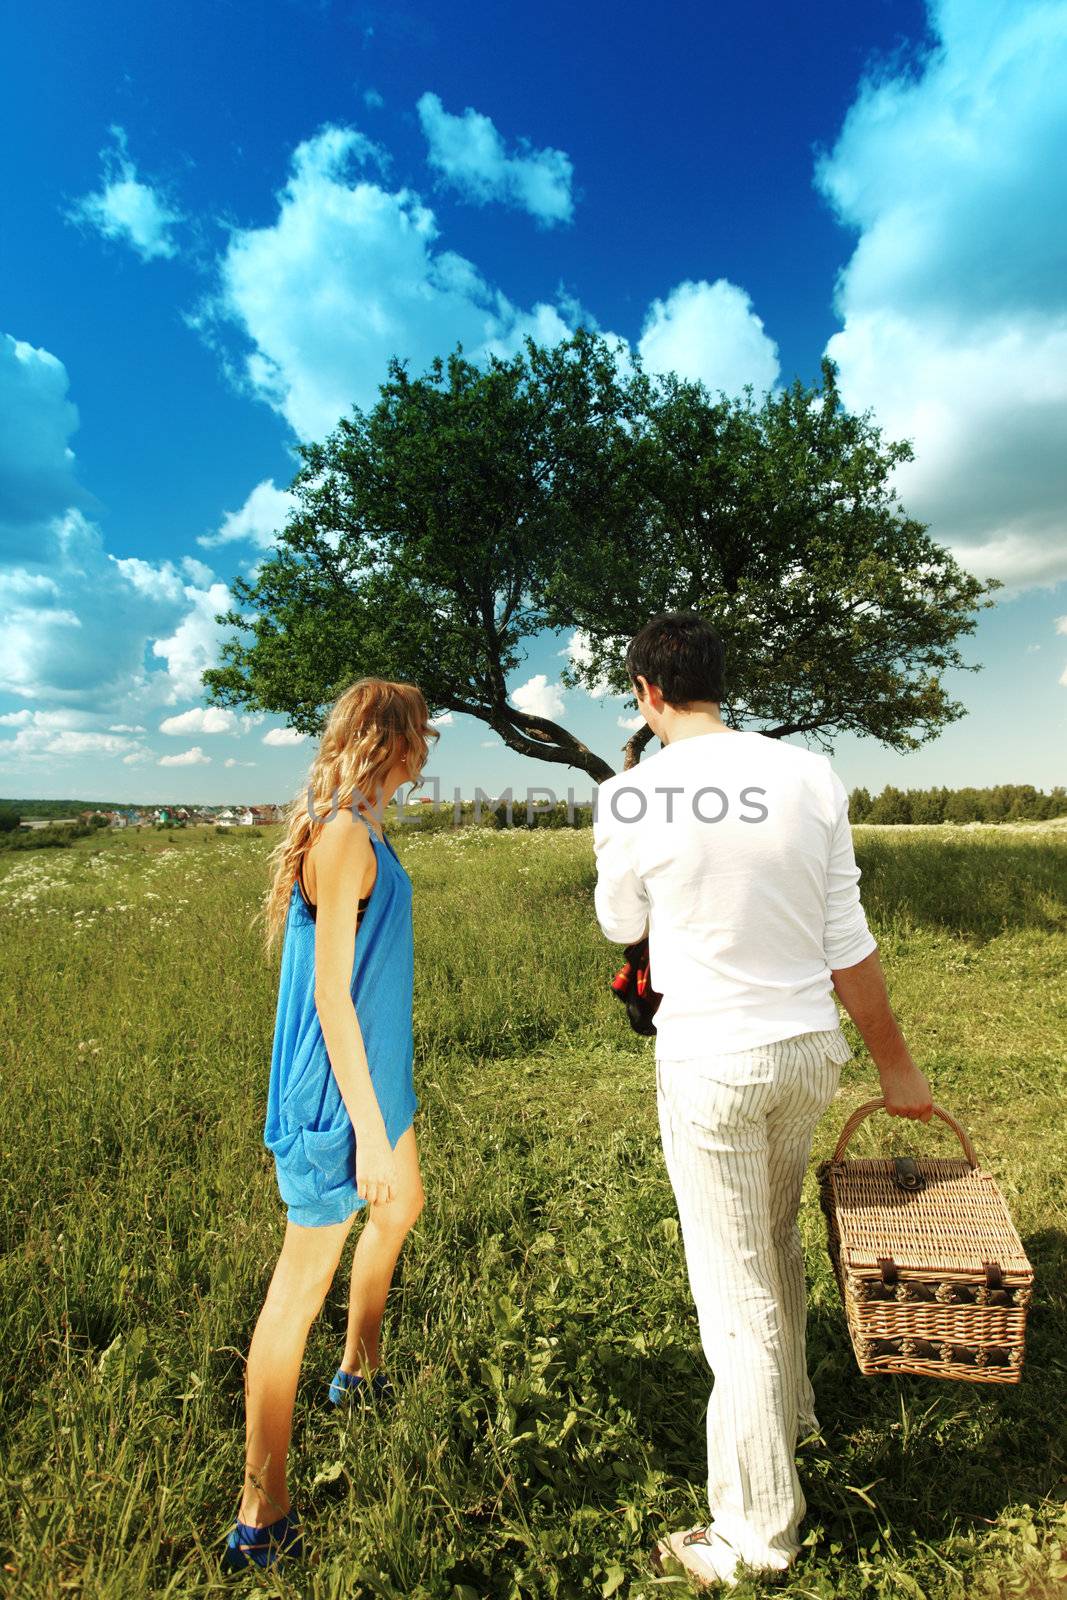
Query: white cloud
pixel 543 324
pixel 284 736
pixel 44 735
pixel 631 723
pixel 76 622
pixel 954 324
pixel 539 697
pixel 34 588
pixel 188 758
pixel 469 153
pixel 166 581
pixel 577 650
pixel 128 209
pixel 76 633
pixel 232 761
pixel 1061 624
pixel 345 278
pixel 194 644
pixel 200 719
pixel 709 331
pixel 444 720
pixel 163 583
pixel 79 744
pixel 197 572
pixel 63 717
pixel 259 521
pixel 37 479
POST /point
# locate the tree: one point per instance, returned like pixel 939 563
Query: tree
pixel 473 508
pixel 963 805
pixel 891 806
pixel 779 522
pixel 926 805
pixel 859 805
pixel 421 531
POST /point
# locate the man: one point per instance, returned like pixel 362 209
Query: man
pixel 733 852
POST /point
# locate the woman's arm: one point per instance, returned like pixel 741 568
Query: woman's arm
pixel 344 863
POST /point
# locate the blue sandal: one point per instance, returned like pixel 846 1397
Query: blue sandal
pixel 344 1382
pixel 265 1545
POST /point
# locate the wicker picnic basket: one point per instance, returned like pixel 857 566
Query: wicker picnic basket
pixel 932 1273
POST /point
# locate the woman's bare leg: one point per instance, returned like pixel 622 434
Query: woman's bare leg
pixel 297 1290
pixel 374 1260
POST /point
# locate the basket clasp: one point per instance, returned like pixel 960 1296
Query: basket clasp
pixel 906 1174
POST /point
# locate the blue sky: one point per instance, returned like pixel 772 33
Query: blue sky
pixel 219 222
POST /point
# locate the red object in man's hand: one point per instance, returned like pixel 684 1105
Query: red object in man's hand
pixel 632 985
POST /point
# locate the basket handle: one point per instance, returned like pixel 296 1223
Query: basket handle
pixel 875 1105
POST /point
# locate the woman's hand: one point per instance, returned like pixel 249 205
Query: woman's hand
pixel 377 1179
pixel 906 1092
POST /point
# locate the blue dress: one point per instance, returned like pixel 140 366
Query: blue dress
pixel 308 1129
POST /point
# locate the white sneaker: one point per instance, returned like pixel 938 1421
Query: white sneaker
pixel 709 1558
pixel 703 1553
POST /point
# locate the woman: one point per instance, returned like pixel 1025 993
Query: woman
pixel 341 1097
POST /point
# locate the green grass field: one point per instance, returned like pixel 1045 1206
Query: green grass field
pixel 549 1423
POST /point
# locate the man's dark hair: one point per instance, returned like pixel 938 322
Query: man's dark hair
pixel 681 653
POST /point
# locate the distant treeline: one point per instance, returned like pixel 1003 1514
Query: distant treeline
pixel 56 836
pixel 1005 802
pixel 63 808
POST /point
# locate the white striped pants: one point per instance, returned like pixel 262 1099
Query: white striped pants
pixel 737 1131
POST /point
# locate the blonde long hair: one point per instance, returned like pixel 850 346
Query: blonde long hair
pixel 370 727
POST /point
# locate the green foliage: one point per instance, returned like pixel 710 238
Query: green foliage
pixel 859 804
pixel 473 508
pixel 58 836
pixel 555 816
pixel 1006 802
pixel 55 808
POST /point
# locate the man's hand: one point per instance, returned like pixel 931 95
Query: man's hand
pixel 906 1092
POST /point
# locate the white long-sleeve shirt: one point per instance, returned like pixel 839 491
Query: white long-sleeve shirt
pixel 746 877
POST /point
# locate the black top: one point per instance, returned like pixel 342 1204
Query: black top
pixel 363 899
